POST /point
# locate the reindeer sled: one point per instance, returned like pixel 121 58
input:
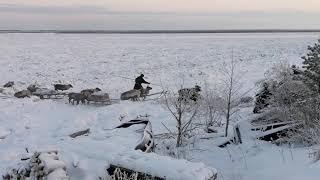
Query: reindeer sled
pixel 140 95
pixel 99 98
pixel 44 93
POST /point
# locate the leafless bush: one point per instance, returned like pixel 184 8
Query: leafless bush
pixel 231 90
pixel 211 109
pixel 184 113
pixel 167 147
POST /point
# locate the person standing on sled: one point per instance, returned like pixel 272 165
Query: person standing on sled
pixel 138 82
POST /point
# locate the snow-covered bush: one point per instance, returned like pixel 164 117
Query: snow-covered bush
pixel 312 67
pixel 183 112
pixel 279 81
pixel 294 101
pixel 167 147
pixel 211 108
pixel 262 98
pixel 40 166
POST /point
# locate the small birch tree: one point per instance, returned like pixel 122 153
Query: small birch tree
pixel 231 91
pixel 211 107
pixel 184 112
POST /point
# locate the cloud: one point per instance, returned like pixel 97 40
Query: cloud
pixel 143 7
pixel 46 9
pixel 96 16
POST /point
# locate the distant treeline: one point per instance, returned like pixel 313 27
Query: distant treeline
pixel 163 31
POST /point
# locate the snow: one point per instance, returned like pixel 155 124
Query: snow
pixel 4 133
pixel 57 174
pixel 178 169
pixel 96 60
pixel 51 162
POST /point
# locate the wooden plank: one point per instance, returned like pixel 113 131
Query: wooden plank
pixel 271 126
pixel 276 133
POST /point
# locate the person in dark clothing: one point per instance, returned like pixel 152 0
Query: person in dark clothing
pixel 139 80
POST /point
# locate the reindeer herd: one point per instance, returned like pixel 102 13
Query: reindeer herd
pixel 85 96
pixel 96 95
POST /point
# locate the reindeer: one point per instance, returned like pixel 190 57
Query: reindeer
pixel 77 97
pixel 88 92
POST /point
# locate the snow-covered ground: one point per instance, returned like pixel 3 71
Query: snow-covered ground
pixel 91 60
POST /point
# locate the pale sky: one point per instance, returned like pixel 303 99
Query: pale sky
pixel 159 14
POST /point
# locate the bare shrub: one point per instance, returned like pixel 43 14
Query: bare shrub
pixel 231 90
pixel 184 113
pixel 211 108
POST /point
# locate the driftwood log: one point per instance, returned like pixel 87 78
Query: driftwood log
pixel 80 133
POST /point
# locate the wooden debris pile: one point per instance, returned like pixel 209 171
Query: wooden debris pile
pixel 146 143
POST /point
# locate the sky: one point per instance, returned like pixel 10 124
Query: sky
pixel 159 14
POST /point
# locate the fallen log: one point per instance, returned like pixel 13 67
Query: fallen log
pixel 80 133
pixel 117 172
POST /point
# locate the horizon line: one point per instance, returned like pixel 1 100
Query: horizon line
pixel 217 31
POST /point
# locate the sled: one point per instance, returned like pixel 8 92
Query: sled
pixel 49 94
pixel 157 93
pixel 160 94
pixel 104 102
pixel 5 97
pixel 99 98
